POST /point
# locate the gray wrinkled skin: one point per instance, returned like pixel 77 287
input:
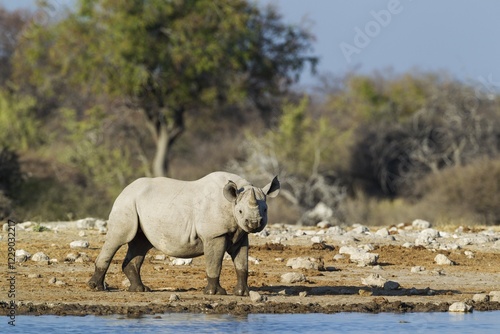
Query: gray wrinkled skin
pixel 186 219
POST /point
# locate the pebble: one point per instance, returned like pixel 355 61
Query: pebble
pixel 40 257
pixel 469 254
pixel 305 263
pixel 481 297
pixel 303 294
pixel 82 234
pixel 420 224
pixel 383 232
pixel 79 244
pixel 417 269
pixel 181 262
pixel 174 297
pixel 34 275
pixel 441 259
pixel 293 277
pixel 255 296
pixel 460 307
pixel 52 280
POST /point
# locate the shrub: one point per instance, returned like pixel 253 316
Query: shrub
pixel 471 191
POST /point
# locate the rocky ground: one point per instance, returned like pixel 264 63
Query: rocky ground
pixel 407 268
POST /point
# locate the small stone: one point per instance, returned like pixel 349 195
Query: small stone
pixel 469 254
pixel 79 244
pixel 83 257
pixel 158 268
pixel 174 297
pixel 417 269
pixel 126 282
pixel 420 224
pixel 282 292
pixel 303 294
pixel 255 296
pixel 82 234
pixel 480 297
pixel 441 259
pixel 374 280
pixel 253 260
pixel 181 262
pixel 34 275
pixel 364 292
pixel 364 259
pixel 53 261
pixel 494 296
pixel 160 257
pixel 60 283
pixel 52 280
pixel 383 232
pixel 71 257
pixel 338 257
pixel 22 253
pixel 323 224
pixel 305 263
pixel 317 239
pixel 40 257
pixel 460 307
pixel 293 277
pixel 408 245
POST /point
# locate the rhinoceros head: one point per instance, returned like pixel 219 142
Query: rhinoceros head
pixel 250 208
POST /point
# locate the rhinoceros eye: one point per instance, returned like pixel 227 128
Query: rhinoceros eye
pixel 240 212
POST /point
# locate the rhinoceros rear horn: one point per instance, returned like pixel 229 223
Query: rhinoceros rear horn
pixel 273 188
pixel 230 191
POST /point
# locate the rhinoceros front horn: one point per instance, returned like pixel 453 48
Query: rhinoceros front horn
pixel 252 202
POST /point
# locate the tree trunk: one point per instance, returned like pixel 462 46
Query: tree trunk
pixel 166 133
pixel 160 161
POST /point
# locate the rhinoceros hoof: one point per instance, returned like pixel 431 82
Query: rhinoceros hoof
pixel 241 292
pixel 95 286
pixel 139 288
pixel 215 291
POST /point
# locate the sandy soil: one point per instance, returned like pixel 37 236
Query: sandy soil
pixel 337 288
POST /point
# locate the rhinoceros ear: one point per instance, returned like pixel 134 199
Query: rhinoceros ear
pixel 230 191
pixel 273 188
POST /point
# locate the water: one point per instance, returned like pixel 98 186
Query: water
pixel 477 322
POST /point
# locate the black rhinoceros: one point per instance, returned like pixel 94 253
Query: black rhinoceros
pixel 186 219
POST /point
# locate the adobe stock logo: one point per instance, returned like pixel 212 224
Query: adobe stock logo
pixel 363 37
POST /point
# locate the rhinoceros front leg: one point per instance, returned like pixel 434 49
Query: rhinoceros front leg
pixel 214 253
pixel 239 254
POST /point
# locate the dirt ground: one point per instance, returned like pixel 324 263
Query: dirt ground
pixel 338 288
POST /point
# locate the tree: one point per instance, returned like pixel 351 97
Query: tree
pixel 170 58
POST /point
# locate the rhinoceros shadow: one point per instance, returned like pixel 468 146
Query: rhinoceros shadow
pixel 292 290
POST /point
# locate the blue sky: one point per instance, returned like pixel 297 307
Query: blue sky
pixel 456 36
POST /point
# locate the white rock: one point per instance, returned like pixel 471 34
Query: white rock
pixel 79 244
pixel 430 232
pixel 480 297
pixel 255 296
pixel 22 252
pixel 364 259
pixel 348 250
pixel 460 307
pixel 82 258
pixel 383 232
pixel 420 224
pixel 441 259
pixel 336 230
pixel 494 296
pixel 305 263
pixel 34 275
pixel 469 254
pixel 293 277
pixel 181 262
pixel 253 260
pixel 40 256
pixel 174 297
pixel 160 257
pixel 82 234
pixel 316 240
pixel 71 257
pixel 338 257
pixel 323 224
pixel 417 269
pixel 408 245
pixel 374 280
pixel 359 230
pixel 368 247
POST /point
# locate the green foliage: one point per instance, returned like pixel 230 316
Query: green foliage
pixel 93 152
pixel 40 228
pixel 18 121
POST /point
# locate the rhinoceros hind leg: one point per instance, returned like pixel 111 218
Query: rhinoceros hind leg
pixel 102 264
pixel 137 250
